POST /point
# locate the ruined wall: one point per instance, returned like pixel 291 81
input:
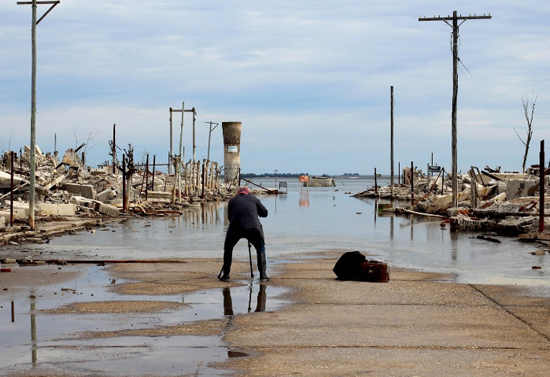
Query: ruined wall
pixel 232 151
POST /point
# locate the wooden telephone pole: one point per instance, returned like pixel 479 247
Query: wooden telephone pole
pixel 391 147
pixel 455 26
pixel 32 160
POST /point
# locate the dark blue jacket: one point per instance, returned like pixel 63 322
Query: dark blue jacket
pixel 243 212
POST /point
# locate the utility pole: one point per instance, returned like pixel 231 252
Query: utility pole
pixel 455 26
pixel 209 137
pixel 194 145
pixel 181 157
pixel 181 131
pixel 113 150
pixel 170 153
pixel 32 162
pixel 391 158
pixel 542 185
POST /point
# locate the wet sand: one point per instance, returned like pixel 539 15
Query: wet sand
pixel 418 324
pixel 20 279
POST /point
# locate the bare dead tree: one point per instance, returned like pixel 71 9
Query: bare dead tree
pixel 87 140
pixel 528 111
pixel 130 171
pixel 3 147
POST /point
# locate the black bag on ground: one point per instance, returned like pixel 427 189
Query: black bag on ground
pixel 354 266
pixel 348 267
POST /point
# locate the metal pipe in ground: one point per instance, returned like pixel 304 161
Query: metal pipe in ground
pixel 12 188
pixel 375 183
pixel 542 188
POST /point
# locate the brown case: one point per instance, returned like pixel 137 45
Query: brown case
pixel 374 271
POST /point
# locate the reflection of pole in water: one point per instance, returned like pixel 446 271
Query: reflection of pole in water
pixel 375 210
pixel 250 295
pixel 454 245
pixel 261 299
pixel 33 328
pixel 391 227
pixel 12 311
pixel 304 198
pixel 412 228
pixel 227 302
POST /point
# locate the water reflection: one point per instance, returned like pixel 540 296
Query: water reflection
pixel 304 198
pixel 261 299
pixel 207 213
pixel 227 302
pixel 391 227
pixel 33 329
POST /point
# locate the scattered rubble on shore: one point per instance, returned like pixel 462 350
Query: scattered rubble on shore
pixel 501 203
pixel 66 190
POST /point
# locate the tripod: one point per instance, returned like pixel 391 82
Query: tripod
pixel 250 259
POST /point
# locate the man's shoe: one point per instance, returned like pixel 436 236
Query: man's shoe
pixel 264 279
pixel 223 278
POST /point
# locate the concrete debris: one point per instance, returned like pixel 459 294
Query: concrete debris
pixel 68 189
pixel 488 200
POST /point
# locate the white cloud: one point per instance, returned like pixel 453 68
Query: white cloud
pixel 309 79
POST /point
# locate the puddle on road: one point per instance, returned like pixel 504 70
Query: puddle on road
pixel 35 338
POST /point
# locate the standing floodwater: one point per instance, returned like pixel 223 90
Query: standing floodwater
pixel 312 220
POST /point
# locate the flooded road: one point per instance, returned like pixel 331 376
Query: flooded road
pixel 309 220
pixel 39 330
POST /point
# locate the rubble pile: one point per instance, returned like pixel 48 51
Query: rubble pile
pixel 67 188
pixel 488 200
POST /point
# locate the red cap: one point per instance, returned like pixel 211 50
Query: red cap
pixel 243 190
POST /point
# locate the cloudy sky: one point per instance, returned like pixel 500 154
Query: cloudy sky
pixel 309 80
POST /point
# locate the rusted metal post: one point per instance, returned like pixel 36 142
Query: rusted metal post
pixel 542 188
pixel 12 187
pixel 124 183
pixel 113 151
pixel 412 183
pixel 153 180
pixel 375 183
pixel 146 176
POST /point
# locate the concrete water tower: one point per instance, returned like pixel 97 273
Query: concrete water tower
pixel 232 151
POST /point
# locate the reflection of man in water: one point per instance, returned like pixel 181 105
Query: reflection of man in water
pixel 260 300
pixel 243 212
